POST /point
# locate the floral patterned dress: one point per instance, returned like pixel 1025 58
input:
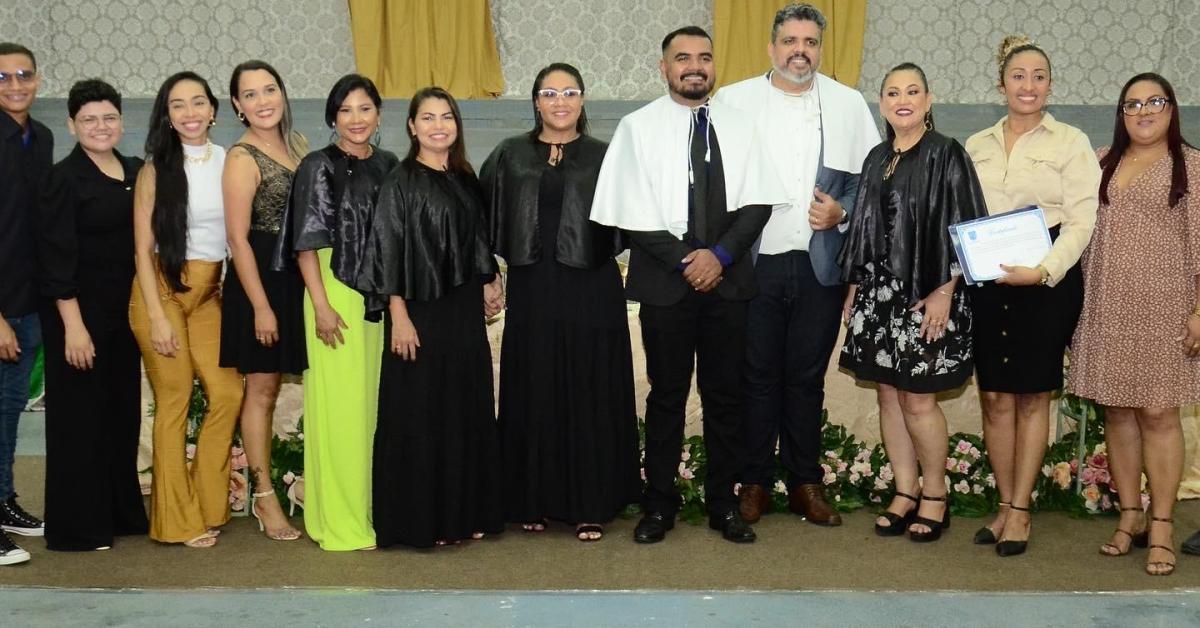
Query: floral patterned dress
pixel 883 343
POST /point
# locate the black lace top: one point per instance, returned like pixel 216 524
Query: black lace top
pixel 271 197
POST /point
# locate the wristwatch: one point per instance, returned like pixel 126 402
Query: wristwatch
pixel 1045 275
pixel 845 217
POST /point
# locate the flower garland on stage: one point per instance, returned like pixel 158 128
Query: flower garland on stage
pixel 857 475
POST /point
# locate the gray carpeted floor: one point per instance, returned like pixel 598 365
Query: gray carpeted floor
pixel 789 555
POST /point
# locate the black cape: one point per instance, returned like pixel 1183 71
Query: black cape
pixel 332 204
pixel 933 187
pixel 428 236
pixel 511 178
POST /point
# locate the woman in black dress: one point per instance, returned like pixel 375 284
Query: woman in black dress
pixel 93 376
pixel 908 321
pixel 262 318
pixel 436 457
pixel 568 428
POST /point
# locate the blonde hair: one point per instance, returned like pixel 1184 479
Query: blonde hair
pixel 1012 46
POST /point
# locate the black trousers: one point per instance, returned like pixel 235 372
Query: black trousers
pixel 791 328
pixel 708 331
pixel 93 419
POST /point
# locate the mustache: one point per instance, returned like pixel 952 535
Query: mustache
pixel 699 75
pixel 800 55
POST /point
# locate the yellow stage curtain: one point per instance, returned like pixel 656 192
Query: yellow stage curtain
pixel 404 45
pixel 742 31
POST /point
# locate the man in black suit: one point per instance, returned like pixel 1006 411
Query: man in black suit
pixel 693 279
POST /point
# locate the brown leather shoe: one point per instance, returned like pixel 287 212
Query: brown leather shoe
pixel 808 501
pixel 754 502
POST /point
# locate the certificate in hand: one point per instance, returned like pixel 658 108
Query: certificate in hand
pixel 1016 238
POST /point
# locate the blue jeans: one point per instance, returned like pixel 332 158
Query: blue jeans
pixel 14 393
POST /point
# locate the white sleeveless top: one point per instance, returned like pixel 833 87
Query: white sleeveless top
pixel 206 206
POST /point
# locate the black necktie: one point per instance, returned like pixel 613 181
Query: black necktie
pixel 698 175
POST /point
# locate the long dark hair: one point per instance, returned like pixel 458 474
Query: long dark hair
pixel 581 125
pixel 1175 142
pixel 165 151
pixel 296 144
pixel 458 150
pixel 891 133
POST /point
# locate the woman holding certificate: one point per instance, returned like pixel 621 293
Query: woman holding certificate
pixel 908 326
pixel 1024 321
pixel 1137 348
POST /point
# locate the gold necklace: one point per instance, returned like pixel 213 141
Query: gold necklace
pixel 208 151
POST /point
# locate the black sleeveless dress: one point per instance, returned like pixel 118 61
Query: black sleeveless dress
pixel 285 289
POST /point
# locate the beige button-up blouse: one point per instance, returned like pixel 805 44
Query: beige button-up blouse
pixel 1051 166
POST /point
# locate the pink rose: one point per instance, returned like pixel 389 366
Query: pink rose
pixel 963 466
pixel 951 464
pixel 1100 461
pixel 962 447
pixel 190 450
pixel 1088 475
pixel 1103 476
pixel 237 458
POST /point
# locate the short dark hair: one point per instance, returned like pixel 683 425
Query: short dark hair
pixel 11 48
pixel 802 12
pixel 342 88
pixel 690 31
pixel 91 90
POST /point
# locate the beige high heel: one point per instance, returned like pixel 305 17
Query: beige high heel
pixel 287 534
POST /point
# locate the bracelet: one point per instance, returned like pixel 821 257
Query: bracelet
pixel 1045 275
pixel 950 294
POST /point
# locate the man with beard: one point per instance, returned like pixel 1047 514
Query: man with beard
pixel 681 177
pixel 817 132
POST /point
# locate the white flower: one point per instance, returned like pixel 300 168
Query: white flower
pixel 977 489
pixel 962 487
pixel 854 478
pixel 991 480
pixel 880 484
pixel 829 479
pixel 883 359
pixel 856 322
pixel 885 473
pixel 781 487
pixel 975 453
pixel 1047 470
pixel 289 477
pixel 1033 496
pixel 883 293
pixel 685 456
pixel 831 454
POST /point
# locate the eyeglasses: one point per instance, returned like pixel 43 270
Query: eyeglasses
pixel 569 93
pixel 20 76
pixel 1152 105
pixel 91 122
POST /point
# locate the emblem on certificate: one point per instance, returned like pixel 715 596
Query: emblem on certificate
pixel 1015 238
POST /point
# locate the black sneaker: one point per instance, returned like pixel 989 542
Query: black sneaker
pixel 11 553
pixel 14 519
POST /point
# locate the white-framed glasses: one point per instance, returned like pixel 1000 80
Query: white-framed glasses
pixel 20 76
pixel 570 93
pixel 1150 105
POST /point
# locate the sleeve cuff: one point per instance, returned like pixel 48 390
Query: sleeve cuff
pixel 723 256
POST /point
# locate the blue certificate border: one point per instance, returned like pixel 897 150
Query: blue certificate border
pixel 956 231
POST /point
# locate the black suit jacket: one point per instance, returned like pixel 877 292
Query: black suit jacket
pixel 654 276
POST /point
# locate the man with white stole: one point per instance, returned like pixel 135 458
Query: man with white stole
pixel 817 133
pixel 682 177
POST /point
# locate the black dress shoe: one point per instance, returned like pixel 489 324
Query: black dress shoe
pixel 732 527
pixel 653 527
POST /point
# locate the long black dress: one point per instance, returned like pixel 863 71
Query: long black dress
pixel 93 417
pixel 568 424
pixel 284 288
pixel 436 456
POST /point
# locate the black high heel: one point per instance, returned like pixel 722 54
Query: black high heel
pixel 986 535
pixel 1168 568
pixel 1141 539
pixel 935 527
pixel 897 524
pixel 1013 548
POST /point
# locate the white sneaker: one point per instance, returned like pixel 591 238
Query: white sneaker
pixel 11 553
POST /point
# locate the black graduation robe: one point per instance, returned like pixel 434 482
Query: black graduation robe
pixel 511 178
pixel 428 236
pixel 332 204
pixel 936 187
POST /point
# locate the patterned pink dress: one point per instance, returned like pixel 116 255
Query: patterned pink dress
pixel 1139 281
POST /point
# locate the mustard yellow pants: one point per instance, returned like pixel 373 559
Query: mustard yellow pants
pixel 185 502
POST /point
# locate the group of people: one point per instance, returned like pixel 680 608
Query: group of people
pixel 746 216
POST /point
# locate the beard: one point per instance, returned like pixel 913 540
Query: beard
pixel 691 91
pixel 797 78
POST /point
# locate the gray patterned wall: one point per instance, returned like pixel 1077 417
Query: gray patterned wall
pixel 138 43
pixel 1095 44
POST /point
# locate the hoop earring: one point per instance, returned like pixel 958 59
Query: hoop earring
pixel 333 136
pixel 241 116
pixel 378 136
pixel 929 120
pixel 212 123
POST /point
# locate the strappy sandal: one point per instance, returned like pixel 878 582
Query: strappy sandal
pixel 986 535
pixel 287 533
pixel 585 531
pixel 1135 540
pixel 1013 548
pixel 897 524
pixel 935 527
pixel 204 541
pixel 1161 564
